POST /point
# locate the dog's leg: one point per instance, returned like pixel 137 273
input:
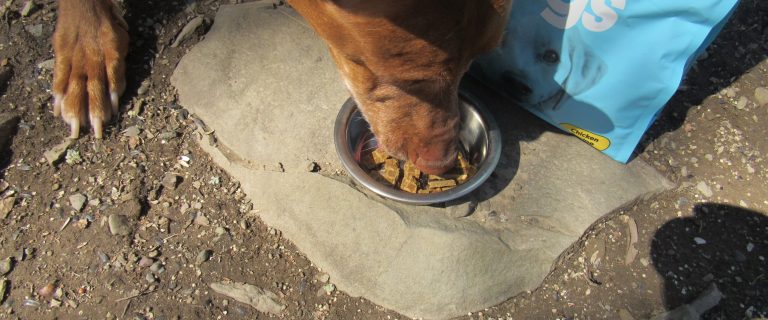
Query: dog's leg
pixel 90 44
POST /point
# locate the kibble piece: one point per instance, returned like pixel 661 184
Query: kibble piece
pixel 391 171
pixel 409 184
pixel 379 156
pixel 442 184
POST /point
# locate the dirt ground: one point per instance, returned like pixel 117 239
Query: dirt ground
pixel 188 223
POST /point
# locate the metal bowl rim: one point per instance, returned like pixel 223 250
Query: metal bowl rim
pixel 486 168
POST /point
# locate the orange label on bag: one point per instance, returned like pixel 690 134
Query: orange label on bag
pixel 595 140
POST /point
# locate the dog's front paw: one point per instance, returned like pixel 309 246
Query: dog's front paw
pixel 90 44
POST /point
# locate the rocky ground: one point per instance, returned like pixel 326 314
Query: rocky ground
pixel 142 225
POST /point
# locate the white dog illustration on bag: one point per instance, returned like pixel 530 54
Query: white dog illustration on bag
pixel 535 64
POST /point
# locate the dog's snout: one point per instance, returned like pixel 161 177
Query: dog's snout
pixel 515 85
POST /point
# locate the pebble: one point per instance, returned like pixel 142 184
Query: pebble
pixel 312 167
pixel 6 205
pixel 3 289
pixel 699 240
pixel 35 30
pixel 54 154
pixel 157 267
pixel 323 277
pixel 170 181
pixel 153 254
pixel 742 103
pixel 132 131
pixel 5 266
pixel 151 278
pixel 167 135
pixel 119 225
pixel 761 96
pixel 47 290
pixel 27 8
pixel 203 256
pixel 730 93
pixel 750 247
pixel 146 262
pixel 77 201
pixel 143 88
pixel 704 189
pixel 202 220
pixel 188 29
pixel 47 64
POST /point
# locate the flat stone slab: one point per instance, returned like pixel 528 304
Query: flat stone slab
pixel 268 87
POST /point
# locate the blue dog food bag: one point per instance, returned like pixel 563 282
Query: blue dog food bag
pixel 600 69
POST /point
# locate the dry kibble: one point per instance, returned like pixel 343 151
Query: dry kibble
pixel 406 177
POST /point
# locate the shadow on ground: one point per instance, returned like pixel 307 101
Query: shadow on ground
pixel 720 244
pixel 741 45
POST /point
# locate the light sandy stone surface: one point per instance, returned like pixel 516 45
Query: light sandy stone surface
pixel 267 86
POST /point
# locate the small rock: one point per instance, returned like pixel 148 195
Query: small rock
pixel 143 88
pixel 146 262
pixel 47 64
pixel 150 278
pixel 168 135
pixel 742 103
pixel 27 8
pixel 3 289
pixel 263 300
pixel 77 201
pixel 36 30
pixel 54 154
pixel 47 291
pixel 119 225
pixel 625 315
pixel 132 131
pixel 750 247
pixel 704 189
pixel 170 181
pixel 188 29
pixel 699 240
pixel 202 220
pixel 5 266
pixel 323 277
pixel 730 93
pixel 157 267
pixel 203 256
pixel 761 96
pixel 312 167
pixel 55 303
pixel 6 205
pixel 153 254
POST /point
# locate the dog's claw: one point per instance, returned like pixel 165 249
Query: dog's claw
pixel 90 45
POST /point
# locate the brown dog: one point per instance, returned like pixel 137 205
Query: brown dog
pixel 401 60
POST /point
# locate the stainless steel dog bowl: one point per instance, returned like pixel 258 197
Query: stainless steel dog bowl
pixel 479 137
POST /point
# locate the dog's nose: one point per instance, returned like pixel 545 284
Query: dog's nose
pixel 435 161
pixel 516 86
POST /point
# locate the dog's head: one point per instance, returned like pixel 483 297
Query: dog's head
pixel 402 60
pixel 536 64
